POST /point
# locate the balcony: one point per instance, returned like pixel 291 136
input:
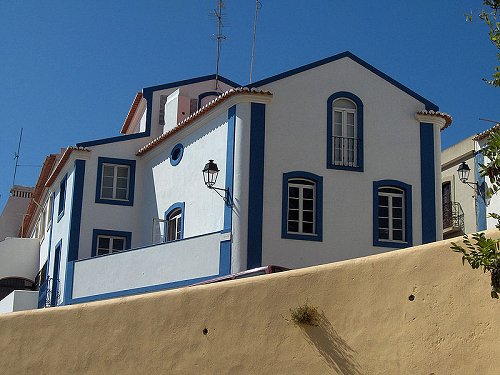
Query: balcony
pixel 453 220
pixel 345 151
pixel 157 267
pixel 19 258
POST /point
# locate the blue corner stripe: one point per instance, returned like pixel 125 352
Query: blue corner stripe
pixel 231 125
pixel 76 210
pixel 225 258
pixel 480 202
pixel 256 184
pixel 428 182
pixel 428 104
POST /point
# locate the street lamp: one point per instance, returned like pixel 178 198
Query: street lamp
pixel 210 173
pixel 463 175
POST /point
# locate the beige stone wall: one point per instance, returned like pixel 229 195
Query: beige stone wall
pixel 368 325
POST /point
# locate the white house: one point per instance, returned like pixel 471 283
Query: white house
pixel 329 161
pixel 468 196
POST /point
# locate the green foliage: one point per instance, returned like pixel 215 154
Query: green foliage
pixel 305 314
pixel 491 152
pixel 489 16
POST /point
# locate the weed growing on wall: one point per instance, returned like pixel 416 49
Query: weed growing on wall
pixel 305 314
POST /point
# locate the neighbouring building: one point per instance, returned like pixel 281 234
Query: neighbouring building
pixel 329 161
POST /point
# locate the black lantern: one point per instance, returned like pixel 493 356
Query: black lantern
pixel 210 173
pixel 463 172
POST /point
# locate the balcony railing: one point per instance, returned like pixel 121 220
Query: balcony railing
pixel 453 216
pixel 345 151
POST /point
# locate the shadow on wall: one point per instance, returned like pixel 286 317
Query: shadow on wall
pixel 336 352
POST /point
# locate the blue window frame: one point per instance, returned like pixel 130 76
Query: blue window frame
pixel 56 283
pixel 115 181
pixel 302 206
pixel 392 214
pixel 174 222
pixel 344 132
pixel 62 198
pixel 106 241
pixel 176 154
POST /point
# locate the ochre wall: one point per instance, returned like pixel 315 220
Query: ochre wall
pixel 368 325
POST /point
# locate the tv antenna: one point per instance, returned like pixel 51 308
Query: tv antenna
pixel 16 157
pixel 488 120
pixel 258 5
pixel 219 14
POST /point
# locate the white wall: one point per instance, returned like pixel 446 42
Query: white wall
pixel 19 258
pixel 166 263
pixel 296 140
pixel 19 300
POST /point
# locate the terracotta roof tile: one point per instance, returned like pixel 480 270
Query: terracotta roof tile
pixel 131 113
pixel 486 133
pixel 200 112
pixel 62 162
pixel 443 115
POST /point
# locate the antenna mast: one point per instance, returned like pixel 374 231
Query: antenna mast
pixel 218 14
pixel 258 5
pixel 16 157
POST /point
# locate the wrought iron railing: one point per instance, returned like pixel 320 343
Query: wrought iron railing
pixel 453 216
pixel 345 151
pixel 45 293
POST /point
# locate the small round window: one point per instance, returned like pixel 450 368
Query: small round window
pixel 176 154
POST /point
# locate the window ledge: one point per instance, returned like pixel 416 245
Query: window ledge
pixel 303 237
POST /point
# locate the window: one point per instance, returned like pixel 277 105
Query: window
pixel 115 181
pixel 392 214
pixel 110 241
pixel 62 198
pixel 174 222
pixel 345 132
pixel 50 209
pixel 302 206
pixel 176 154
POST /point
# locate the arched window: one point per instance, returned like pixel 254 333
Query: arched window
pixel 392 214
pixel 302 206
pixel 345 132
pixel 174 222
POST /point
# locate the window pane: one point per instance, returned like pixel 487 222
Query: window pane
pixel 344 103
pixel 293 192
pixel 307 227
pixel 397 212
pixel 103 242
pixel 293 203
pixel 108 171
pixel 107 192
pixel 383 200
pixel 337 130
pixel 383 234
pixel 308 216
pixel 293 215
pixel 350 120
pixel 293 226
pixel 390 190
pixel 397 202
pixel 397 235
pixel 383 212
pixel 308 205
pixel 102 251
pixel 308 193
pixel 107 182
pixel 118 244
pixel 122 172
pixel 121 193
pixel 397 224
pixel 383 223
pixel 121 183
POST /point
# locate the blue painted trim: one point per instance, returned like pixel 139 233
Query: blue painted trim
pixel 480 202
pixel 318 180
pixel 205 94
pixel 76 210
pixel 408 214
pixel 118 138
pixel 68 283
pixel 179 147
pixel 141 290
pixel 428 104
pixel 55 274
pixel 229 183
pixel 256 184
pixel 149 90
pixel 62 198
pixel 47 269
pixel 178 205
pixel 428 182
pixel 329 131
pixel 225 258
pixel 108 232
pixel 131 183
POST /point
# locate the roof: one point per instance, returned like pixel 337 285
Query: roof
pixel 148 90
pixel 61 163
pixel 131 113
pixel 47 167
pixel 447 118
pixel 486 133
pixel 428 104
pixel 200 112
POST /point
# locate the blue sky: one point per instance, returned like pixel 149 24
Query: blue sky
pixel 70 69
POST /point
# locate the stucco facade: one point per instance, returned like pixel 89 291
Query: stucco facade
pixel 334 156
